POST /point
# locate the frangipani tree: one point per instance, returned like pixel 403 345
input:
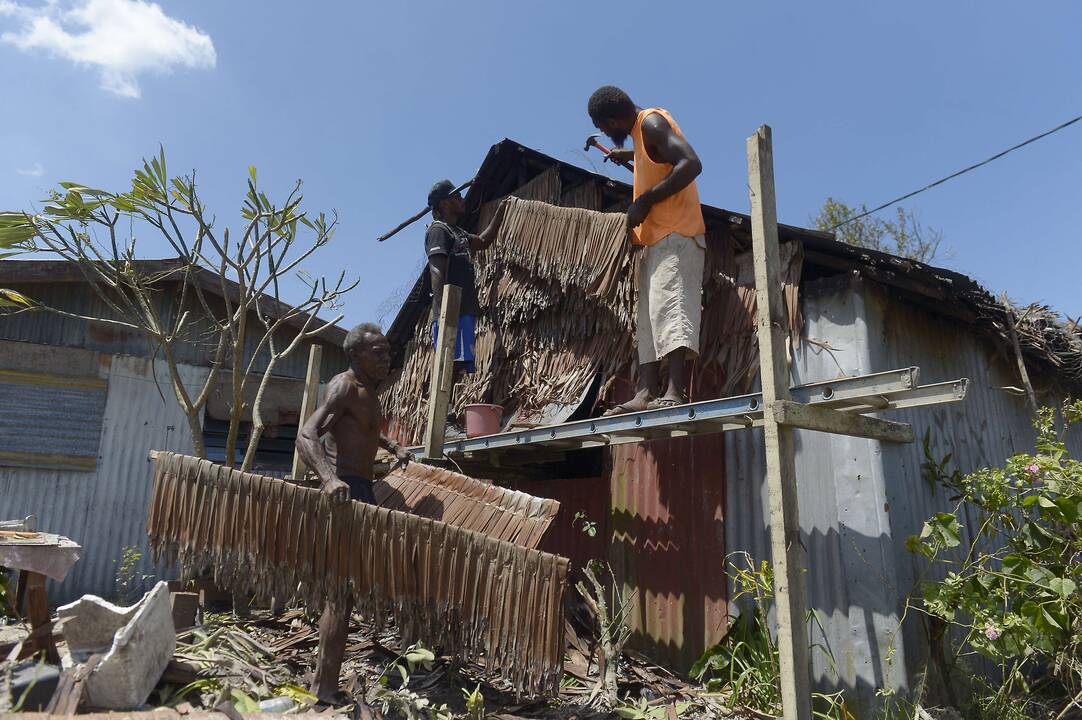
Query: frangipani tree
pixel 230 300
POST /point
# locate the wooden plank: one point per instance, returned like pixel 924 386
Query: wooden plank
pixel 308 401
pixel 66 462
pixel 53 380
pixel 443 372
pixel 787 551
pixel 70 691
pixel 821 419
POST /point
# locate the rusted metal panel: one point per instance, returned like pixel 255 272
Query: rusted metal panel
pixel 566 535
pixel 667 527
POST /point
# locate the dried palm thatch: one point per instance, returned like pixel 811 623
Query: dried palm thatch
pixel 459 500
pixel 558 291
pixel 474 596
pixel 1042 335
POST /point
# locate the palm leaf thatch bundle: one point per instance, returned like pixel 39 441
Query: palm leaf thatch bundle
pixel 557 291
pixel 474 596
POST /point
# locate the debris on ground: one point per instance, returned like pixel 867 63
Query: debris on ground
pixel 262 664
pixel 250 662
pixel 129 646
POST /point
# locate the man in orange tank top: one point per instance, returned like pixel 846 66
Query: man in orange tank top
pixel 665 220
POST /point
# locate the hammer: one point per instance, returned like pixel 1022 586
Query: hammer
pixel 592 142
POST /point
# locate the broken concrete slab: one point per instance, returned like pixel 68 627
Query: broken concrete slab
pixel 136 642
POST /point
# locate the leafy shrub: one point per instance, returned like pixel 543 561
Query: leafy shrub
pixel 1014 592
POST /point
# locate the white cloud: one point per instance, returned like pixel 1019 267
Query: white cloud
pixel 121 38
pixel 35 171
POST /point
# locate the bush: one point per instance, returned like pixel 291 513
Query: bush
pixel 1014 592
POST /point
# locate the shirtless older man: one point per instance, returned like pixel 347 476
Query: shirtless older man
pixel 350 414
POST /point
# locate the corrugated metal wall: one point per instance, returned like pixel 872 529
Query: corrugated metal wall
pixel 565 536
pixel 105 510
pixel 859 499
pixel 667 530
pixel 841 509
pixel 985 429
pixel 46 328
pixel 50 420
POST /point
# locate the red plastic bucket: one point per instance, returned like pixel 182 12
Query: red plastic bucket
pixel 483 420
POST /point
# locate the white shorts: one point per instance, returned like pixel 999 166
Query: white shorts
pixel 670 300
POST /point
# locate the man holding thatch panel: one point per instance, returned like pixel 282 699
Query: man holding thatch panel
pixel 666 221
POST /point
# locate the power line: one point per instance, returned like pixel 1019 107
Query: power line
pixel 997 156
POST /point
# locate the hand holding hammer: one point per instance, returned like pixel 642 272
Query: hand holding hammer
pixel 615 156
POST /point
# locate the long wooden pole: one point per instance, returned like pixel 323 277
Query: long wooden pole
pixel 443 366
pixel 788 554
pixel 308 401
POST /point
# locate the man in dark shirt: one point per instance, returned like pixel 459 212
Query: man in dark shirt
pixel 450 252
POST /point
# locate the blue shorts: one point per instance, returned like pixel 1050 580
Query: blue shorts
pixel 360 489
pixel 463 340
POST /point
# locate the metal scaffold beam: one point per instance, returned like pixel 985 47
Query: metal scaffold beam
pixel 853 396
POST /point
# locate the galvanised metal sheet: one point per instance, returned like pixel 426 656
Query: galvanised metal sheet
pixel 47 328
pixel 50 420
pixel 105 510
pixel 860 499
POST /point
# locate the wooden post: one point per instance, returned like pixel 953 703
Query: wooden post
pixel 788 554
pixel 443 372
pixel 36 611
pixel 308 402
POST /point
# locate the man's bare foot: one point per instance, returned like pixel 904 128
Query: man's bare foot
pixel 635 404
pixel 668 400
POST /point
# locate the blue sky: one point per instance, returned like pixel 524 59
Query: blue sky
pixel 370 103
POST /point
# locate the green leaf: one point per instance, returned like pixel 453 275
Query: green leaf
pixel 420 655
pixel 10 298
pixel 1064 587
pixel 1050 619
pixel 251 172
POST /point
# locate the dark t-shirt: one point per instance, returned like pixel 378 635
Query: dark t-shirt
pixel 454 242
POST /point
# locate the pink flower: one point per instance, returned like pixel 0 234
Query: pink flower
pixel 1033 469
pixel 991 632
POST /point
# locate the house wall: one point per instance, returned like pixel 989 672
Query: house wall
pixel 667 544
pixel 103 509
pixel 47 328
pixel 860 499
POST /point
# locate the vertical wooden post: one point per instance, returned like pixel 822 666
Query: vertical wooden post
pixel 37 613
pixel 788 554
pixel 308 401
pixel 443 371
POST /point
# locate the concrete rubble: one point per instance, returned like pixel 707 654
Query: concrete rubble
pixel 135 644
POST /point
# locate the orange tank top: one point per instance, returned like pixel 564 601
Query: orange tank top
pixel 679 213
